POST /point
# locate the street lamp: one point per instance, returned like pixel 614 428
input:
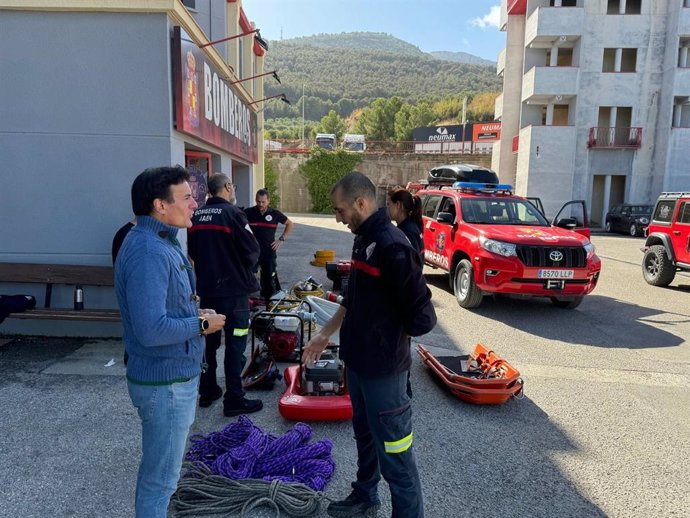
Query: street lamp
pixel 262 43
pixel 274 73
pixel 281 96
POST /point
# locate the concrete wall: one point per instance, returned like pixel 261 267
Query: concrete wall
pixel 210 15
pixel 85 107
pixel 385 171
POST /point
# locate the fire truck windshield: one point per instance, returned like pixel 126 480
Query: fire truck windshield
pixel 497 211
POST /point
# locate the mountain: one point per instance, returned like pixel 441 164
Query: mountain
pixel 346 71
pixel 462 57
pixel 358 40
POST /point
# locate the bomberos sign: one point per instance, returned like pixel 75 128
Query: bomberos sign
pixel 207 106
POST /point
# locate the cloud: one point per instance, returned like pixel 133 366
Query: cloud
pixel 493 19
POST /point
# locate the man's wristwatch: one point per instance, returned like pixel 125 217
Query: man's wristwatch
pixel 203 325
pixel 281 238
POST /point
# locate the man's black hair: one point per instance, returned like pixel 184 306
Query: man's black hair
pixel 153 183
pixel 355 185
pixel 262 192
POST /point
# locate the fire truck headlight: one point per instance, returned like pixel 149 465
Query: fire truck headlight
pixel 497 247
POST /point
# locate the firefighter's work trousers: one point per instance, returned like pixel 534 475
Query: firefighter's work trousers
pixel 382 422
pixel 236 311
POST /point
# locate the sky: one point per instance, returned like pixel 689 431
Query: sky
pixel 454 25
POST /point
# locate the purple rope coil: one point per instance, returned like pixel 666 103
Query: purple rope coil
pixel 242 450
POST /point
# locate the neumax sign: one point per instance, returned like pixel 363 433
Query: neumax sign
pixel 451 133
pixel 207 106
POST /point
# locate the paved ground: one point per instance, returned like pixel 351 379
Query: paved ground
pixel 603 430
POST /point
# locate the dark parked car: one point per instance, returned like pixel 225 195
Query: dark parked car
pixel 629 218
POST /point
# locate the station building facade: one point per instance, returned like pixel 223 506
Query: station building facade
pixel 93 93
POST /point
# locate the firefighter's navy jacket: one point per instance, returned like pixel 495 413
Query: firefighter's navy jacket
pixel 224 249
pixel 387 300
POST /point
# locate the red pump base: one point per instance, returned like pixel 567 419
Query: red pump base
pixel 297 407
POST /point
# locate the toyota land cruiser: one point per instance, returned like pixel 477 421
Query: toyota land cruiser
pixel 492 241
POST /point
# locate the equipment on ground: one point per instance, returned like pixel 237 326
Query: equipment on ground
pixel 317 391
pixel 482 377
pixel 307 287
pixel 339 273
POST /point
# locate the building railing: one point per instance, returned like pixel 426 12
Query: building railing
pixel 616 137
pixel 385 146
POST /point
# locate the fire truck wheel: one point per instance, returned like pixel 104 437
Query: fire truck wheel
pixel 464 287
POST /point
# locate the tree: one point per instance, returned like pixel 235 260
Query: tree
pixel 332 123
pixel 481 107
pixel 403 124
pixel 378 119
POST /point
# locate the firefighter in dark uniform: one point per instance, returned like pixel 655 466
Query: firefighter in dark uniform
pixel 387 300
pixel 225 254
pixel 264 221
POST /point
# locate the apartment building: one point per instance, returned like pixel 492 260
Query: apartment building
pixel 596 100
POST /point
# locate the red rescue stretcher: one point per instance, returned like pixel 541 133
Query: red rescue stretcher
pixel 481 378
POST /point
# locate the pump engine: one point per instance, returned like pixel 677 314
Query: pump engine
pixel 325 376
pixel 282 332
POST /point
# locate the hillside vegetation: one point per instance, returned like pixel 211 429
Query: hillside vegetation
pixel 344 72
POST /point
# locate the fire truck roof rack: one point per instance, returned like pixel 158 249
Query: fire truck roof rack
pixel 489 188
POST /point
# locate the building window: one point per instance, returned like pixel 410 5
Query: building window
pixel 564 3
pixel 189 4
pixel 631 7
pixel 681 113
pixel 684 53
pixel 564 58
pixel 619 60
pixel 628 60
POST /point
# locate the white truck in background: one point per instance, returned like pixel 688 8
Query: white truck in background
pixel 353 142
pixel 325 140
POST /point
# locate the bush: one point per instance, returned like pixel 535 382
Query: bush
pixel 271 183
pixel 322 171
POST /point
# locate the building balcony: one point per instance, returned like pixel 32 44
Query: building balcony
pixel 612 137
pixel 541 84
pixel 547 25
pixel 682 82
pixel 501 64
pixel 684 22
pixel 516 143
pixel 498 107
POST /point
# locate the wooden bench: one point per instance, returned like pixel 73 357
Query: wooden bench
pixel 50 274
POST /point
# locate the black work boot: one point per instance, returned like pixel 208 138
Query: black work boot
pixel 353 506
pixel 243 406
pixel 206 400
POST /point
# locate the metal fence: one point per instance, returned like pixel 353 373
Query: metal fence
pixel 388 147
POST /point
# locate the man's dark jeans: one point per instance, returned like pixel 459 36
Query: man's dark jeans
pixel 269 276
pixel 236 311
pixel 383 430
